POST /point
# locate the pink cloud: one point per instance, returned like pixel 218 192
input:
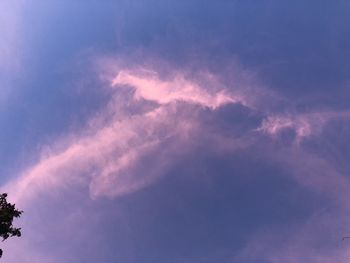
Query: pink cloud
pixel 121 152
pixel 149 86
pixel 111 157
pixel 304 124
pixel 108 154
pixel 273 125
pixel 319 237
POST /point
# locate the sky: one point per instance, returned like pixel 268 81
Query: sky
pixel 197 131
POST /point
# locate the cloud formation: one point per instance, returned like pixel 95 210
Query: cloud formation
pixel 113 156
pixel 148 86
pixel 153 119
pixel 221 136
pixel 303 124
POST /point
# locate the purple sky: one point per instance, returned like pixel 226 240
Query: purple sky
pixel 163 131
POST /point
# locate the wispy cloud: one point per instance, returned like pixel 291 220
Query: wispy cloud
pixel 152 119
pixel 113 154
pixel 303 124
pixel 148 86
pixel 317 238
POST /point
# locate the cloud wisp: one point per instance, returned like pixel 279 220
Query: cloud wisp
pixel 303 124
pixel 110 156
pixel 151 121
pixel 148 86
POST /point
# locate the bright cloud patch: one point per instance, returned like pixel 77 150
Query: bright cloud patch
pixel 275 124
pixel 149 86
pixel 304 125
pixel 130 150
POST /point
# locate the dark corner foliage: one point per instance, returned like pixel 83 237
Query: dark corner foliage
pixel 8 212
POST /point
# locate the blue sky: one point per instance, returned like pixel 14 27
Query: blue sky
pixel 176 131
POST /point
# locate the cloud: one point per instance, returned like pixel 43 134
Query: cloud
pixel 122 151
pixel 149 117
pixel 153 119
pixel 275 124
pixel 303 124
pixel 316 238
pixel 148 86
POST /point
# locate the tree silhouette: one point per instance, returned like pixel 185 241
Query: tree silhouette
pixel 8 212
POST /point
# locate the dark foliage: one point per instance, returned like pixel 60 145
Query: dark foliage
pixel 8 212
